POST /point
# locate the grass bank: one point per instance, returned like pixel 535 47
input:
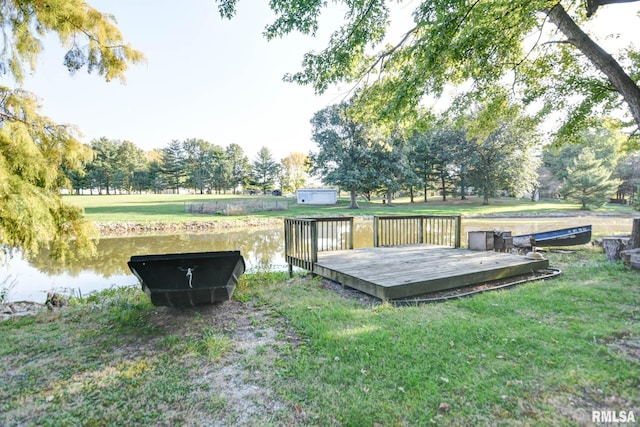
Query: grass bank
pixel 294 352
pixel 170 208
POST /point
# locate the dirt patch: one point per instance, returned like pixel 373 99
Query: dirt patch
pixel 241 381
pixel 241 378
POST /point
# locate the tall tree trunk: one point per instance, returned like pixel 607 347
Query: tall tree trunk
pixel 354 201
pixel 602 60
pixel 425 189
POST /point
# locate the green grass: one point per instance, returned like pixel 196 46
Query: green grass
pixel 536 354
pixel 542 353
pixel 170 208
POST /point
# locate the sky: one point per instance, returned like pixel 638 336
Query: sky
pixel 207 78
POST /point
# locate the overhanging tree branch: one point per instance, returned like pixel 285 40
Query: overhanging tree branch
pixel 601 59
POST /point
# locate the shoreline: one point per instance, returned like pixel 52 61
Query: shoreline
pixel 112 229
pixel 108 229
pixel 10 309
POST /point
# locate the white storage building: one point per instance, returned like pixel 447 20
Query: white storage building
pixel 317 196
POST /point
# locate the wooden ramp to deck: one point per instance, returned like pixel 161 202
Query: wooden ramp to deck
pixel 410 270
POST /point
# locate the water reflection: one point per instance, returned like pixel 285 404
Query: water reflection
pixel 262 248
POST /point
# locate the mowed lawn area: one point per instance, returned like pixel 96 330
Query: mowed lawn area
pixel 171 207
pixel 302 352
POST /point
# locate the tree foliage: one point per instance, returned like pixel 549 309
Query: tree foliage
pixel 450 42
pixel 295 169
pixel 265 170
pixel 91 37
pixel 588 181
pixel 344 152
pixel 35 152
pixel 239 166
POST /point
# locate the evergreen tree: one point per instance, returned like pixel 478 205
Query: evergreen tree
pixel 265 170
pixel 173 165
pixel 588 181
pixel 238 165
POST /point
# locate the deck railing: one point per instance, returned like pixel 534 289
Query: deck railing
pixel 305 237
pixel 396 230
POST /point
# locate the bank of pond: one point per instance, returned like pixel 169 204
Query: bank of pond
pixel 262 248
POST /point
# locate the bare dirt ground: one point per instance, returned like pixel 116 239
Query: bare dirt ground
pixel 257 336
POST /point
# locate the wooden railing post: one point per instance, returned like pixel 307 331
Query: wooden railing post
pixel 314 241
pixel 287 237
pixel 351 231
pixel 376 236
pixel 458 230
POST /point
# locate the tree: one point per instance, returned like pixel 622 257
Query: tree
pixel 444 144
pixel 604 139
pixel 451 42
pixel 265 170
pixel 238 165
pixel 588 181
pixel 389 165
pixel 413 177
pixel 628 171
pixel 502 139
pixel 173 170
pixel 129 160
pixel 503 162
pixel 34 151
pixel 202 163
pixel 344 155
pixel 101 168
pixel 220 179
pixel 295 169
pixel 423 158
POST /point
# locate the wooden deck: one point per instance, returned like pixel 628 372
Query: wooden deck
pixel 410 270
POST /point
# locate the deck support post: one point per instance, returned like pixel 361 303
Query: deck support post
pixel 634 243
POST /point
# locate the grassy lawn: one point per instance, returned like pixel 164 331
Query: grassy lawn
pixel 170 208
pixel 293 352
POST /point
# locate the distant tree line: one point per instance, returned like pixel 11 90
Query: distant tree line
pixel 121 167
pixel 491 149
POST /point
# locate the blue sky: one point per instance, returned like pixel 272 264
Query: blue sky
pixel 205 78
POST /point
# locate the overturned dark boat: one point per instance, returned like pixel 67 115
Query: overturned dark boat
pixel 565 237
pixel 188 279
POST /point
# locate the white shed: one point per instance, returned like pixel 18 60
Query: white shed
pixel 317 196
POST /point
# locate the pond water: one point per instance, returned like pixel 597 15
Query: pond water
pixel 262 249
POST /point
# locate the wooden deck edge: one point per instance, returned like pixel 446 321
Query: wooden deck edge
pixel 430 285
pixel 453 282
pixel 353 282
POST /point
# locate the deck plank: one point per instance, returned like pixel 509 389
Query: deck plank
pixel 405 271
